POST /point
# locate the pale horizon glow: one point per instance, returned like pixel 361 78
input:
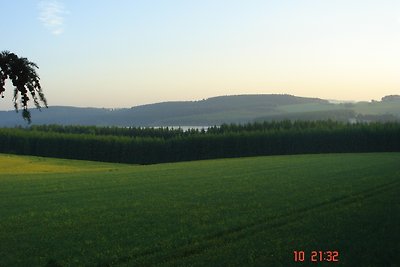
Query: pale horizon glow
pixel 103 54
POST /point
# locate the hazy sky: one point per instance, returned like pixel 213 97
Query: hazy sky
pixel 124 53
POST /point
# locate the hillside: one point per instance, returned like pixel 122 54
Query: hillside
pixel 214 111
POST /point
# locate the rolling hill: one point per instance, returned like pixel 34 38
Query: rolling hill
pixel 214 111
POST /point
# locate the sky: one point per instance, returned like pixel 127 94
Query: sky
pixel 124 53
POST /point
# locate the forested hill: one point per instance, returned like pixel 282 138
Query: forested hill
pixel 213 111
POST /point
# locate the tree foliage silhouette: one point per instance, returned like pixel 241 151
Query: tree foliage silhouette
pixel 25 80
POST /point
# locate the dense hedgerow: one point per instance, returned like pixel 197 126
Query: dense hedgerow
pixel 155 145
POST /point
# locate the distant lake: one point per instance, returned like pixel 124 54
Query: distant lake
pixel 184 128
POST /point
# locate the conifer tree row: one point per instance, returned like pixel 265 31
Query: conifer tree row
pixel 147 145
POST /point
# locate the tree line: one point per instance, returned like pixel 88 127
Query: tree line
pixel 155 145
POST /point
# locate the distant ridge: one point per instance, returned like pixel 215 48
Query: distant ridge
pixel 214 111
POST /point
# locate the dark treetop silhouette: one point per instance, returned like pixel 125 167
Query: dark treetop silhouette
pixel 23 75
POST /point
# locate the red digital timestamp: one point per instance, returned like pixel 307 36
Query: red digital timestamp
pixel 316 256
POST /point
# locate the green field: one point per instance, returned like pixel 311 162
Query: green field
pixel 227 212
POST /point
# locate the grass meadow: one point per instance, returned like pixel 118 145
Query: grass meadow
pixel 252 211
